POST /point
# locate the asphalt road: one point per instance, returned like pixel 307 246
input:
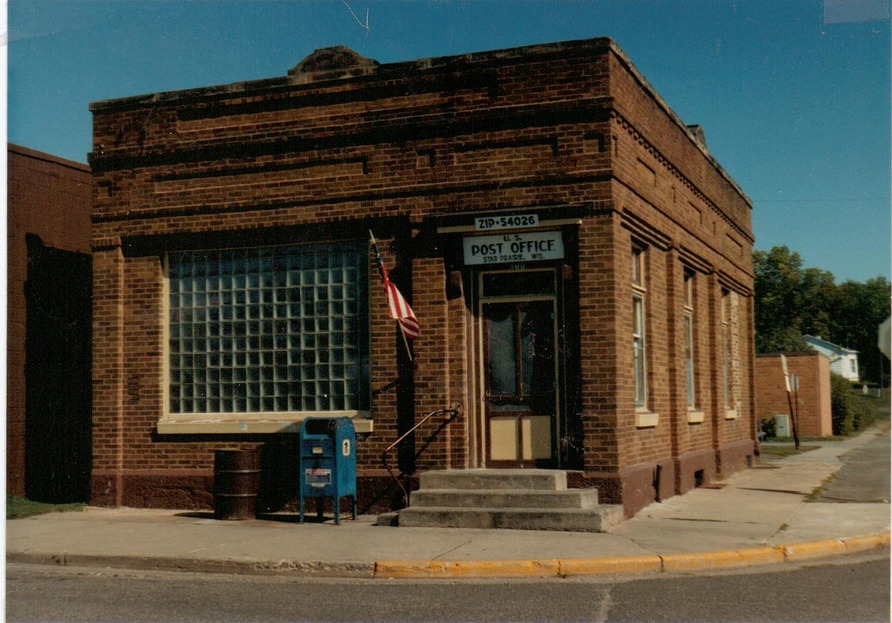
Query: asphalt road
pixel 865 476
pixel 853 588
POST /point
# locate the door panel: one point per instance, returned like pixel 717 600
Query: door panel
pixel 536 430
pixel 520 381
pixel 504 439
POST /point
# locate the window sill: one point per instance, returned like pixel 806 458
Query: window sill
pixel 730 414
pixel 195 426
pixel 696 417
pixel 646 419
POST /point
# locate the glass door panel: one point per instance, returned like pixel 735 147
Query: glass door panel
pixel 519 340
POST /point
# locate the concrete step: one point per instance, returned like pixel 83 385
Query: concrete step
pixel 500 498
pixel 492 479
pixel 598 519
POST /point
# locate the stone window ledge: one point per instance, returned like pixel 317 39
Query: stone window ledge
pixel 646 419
pixel 195 426
pixel 695 416
pixel 730 414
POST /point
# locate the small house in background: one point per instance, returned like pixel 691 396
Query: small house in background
pixel 811 399
pixel 843 361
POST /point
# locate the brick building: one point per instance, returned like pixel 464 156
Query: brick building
pixel 48 327
pixel 812 371
pixel 579 263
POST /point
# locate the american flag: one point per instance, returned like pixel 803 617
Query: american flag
pixel 399 308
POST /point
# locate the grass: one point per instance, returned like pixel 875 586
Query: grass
pixel 19 508
pixel 785 450
pixel 817 491
pixel 875 407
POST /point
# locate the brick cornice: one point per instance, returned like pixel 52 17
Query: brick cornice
pixel 633 132
pixel 297 140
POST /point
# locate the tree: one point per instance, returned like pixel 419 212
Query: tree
pixel 856 311
pixel 791 301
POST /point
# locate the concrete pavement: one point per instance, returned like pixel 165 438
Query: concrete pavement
pixel 758 516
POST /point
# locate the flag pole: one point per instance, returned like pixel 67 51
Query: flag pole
pixel 406 342
pixel 383 274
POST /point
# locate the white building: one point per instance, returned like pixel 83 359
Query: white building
pixel 843 361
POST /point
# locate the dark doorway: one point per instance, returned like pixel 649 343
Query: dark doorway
pixel 58 436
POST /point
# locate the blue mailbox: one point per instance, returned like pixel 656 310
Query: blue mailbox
pixel 327 463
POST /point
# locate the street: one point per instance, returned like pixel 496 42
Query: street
pixel 850 588
pixel 864 476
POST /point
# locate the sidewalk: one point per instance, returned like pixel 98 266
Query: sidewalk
pixel 758 516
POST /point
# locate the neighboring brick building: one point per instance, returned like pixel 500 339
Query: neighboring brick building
pixel 48 327
pixel 580 265
pixel 812 369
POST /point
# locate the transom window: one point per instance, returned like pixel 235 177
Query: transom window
pixel 267 330
pixel 638 266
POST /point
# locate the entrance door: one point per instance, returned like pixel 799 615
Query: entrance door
pixel 518 312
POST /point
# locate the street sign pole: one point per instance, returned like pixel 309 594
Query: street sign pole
pixel 794 408
pixel 793 423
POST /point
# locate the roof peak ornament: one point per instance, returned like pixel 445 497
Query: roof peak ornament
pixel 332 63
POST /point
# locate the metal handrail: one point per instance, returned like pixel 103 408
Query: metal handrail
pixel 454 411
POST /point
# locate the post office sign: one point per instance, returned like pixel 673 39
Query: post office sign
pixel 518 247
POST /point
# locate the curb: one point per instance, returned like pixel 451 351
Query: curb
pixel 237 567
pixel 669 563
pixel 471 569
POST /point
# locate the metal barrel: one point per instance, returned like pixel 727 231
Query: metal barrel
pixel 236 482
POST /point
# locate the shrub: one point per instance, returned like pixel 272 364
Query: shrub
pixel 863 409
pixel 768 425
pixel 840 405
pixel 850 410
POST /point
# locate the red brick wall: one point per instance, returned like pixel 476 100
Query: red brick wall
pixel 688 216
pixel 570 131
pixel 813 371
pixel 48 197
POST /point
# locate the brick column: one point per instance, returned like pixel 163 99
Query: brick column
pixel 108 368
pixel 675 357
pixel 605 369
pixel 433 358
pixel 458 320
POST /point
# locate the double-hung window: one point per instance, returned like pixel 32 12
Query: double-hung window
pixel 272 333
pixel 727 351
pixel 638 327
pixel 689 367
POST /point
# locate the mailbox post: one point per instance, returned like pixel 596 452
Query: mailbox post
pixel 327 463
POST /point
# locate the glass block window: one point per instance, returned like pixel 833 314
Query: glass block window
pixel 267 330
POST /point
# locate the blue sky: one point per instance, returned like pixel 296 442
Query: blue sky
pixel 794 95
